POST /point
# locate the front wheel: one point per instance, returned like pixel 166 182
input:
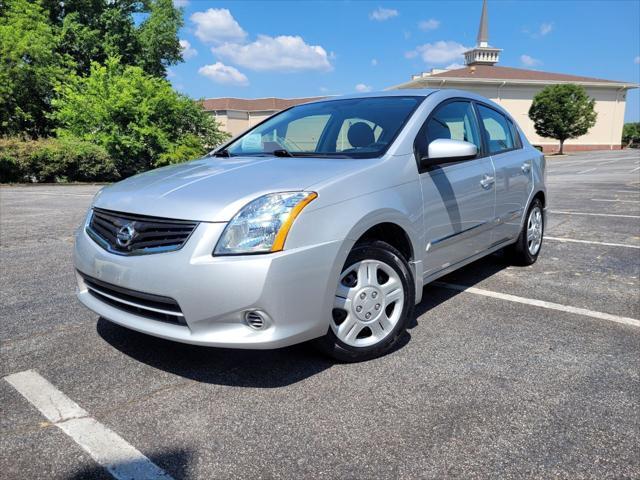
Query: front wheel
pixel 526 249
pixel 373 302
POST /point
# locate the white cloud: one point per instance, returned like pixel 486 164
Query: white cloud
pixel 224 74
pixel 438 52
pixel 361 87
pixel 529 61
pixel 430 24
pixel 284 53
pixel 545 28
pixel 374 62
pixel 180 3
pixel 454 66
pixel 381 14
pixel 324 89
pixel 187 50
pixel 637 60
pixel 217 25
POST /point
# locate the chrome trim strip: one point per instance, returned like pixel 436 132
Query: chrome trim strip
pixel 462 235
pixel 137 305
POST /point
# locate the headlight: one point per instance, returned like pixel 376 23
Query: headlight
pixel 262 225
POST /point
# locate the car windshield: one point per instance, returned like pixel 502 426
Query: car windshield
pixel 353 128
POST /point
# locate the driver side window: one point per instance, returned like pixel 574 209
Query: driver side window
pixel 455 121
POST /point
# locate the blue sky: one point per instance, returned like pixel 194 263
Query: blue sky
pixel 298 48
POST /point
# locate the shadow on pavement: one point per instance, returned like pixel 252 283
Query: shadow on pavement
pixel 241 368
pixel 474 273
pixel 265 368
pixel 174 462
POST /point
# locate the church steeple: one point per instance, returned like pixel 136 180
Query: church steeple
pixel 483 31
pixel 482 54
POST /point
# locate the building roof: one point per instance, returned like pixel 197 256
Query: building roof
pixel 492 73
pixel 254 104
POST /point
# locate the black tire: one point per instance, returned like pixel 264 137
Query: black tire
pixel 331 345
pixel 519 253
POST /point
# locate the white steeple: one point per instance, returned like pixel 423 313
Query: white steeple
pixel 482 54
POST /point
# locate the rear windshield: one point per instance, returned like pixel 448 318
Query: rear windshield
pixel 354 128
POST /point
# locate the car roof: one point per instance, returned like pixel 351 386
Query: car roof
pixel 413 92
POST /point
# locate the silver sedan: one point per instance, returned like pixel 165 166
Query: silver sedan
pixel 322 223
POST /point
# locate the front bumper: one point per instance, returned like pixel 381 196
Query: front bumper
pixel 295 288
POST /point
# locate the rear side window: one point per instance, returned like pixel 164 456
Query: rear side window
pixel 455 121
pixel 515 134
pixel 498 131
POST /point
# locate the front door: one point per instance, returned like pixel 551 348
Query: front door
pixel 514 177
pixel 458 197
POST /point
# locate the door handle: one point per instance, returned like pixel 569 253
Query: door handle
pixel 487 181
pixel 526 167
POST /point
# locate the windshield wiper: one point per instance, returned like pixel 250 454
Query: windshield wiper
pixel 281 152
pixel 222 153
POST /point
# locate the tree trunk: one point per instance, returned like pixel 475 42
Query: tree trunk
pixel 561 147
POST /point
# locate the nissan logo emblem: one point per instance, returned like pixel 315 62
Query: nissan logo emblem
pixel 125 235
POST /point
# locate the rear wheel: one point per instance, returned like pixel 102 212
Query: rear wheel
pixel 526 249
pixel 373 301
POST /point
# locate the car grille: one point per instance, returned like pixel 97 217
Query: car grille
pixel 155 307
pixel 129 234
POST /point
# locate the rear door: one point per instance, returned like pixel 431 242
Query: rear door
pixel 514 179
pixel 458 197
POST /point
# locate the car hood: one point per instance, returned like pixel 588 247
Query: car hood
pixel 214 189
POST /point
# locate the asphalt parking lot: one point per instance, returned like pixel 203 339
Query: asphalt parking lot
pixel 534 372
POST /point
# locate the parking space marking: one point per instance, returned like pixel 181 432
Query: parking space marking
pixel 606 244
pixel 54 194
pixel 589 214
pixel 122 460
pixel 635 170
pixel 540 303
pixel 587 170
pixel 613 200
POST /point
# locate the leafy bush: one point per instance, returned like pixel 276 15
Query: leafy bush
pixel 54 160
pixel 139 119
pixel 631 134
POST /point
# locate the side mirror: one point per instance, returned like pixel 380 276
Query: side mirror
pixel 444 150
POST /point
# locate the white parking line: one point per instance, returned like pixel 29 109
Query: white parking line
pixel 121 459
pixel 51 193
pixel 606 244
pixel 613 200
pixel 635 170
pixel 587 170
pixel 564 212
pixel 541 303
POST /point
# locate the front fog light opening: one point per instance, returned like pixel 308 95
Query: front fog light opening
pixel 256 319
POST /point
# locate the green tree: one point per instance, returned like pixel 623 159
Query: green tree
pixel 30 68
pixel 631 133
pixel 139 119
pixel 562 112
pixel 158 38
pixel 92 30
